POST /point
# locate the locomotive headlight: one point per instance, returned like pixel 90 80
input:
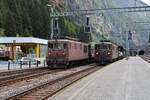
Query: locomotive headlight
pixel 108 53
pixel 49 53
pixel 63 53
pixel 97 53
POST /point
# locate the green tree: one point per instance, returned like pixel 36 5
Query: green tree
pixel 9 27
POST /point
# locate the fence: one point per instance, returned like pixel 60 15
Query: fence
pixel 23 64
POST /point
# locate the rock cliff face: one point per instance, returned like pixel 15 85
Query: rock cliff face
pixel 59 3
pixel 113 25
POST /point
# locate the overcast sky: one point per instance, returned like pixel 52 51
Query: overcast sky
pixel 146 1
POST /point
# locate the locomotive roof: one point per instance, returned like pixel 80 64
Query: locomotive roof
pixel 66 37
pixel 66 40
pixel 106 43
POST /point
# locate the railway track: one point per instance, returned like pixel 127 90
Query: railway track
pixel 14 78
pixel 7 73
pixel 49 88
pixel 146 58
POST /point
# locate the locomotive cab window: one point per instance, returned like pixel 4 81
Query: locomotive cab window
pixel 57 46
pixel 105 47
pixel 50 45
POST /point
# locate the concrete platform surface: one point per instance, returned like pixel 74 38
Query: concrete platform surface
pixel 122 80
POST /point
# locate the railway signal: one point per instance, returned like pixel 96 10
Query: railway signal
pixel 87 21
pixel 87 27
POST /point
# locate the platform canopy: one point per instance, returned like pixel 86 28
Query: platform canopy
pixel 9 40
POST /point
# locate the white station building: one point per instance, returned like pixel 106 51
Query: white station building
pixel 26 45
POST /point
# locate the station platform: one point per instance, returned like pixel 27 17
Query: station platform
pixel 122 80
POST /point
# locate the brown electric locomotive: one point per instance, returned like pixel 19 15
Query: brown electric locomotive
pixel 64 51
pixel 106 52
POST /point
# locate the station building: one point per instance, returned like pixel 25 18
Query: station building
pixel 24 46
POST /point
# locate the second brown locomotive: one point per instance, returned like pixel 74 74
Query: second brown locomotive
pixel 106 52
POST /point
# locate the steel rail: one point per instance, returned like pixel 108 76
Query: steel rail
pixel 47 89
pixel 6 73
pixel 18 78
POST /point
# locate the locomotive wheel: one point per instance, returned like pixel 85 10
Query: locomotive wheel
pixel 111 61
pixel 70 64
pixel 66 66
pixel 48 65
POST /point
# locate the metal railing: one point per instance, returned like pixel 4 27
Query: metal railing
pixel 25 64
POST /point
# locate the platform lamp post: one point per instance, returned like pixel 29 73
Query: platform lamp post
pixel 52 20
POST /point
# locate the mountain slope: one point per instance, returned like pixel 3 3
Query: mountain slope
pixel 115 24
